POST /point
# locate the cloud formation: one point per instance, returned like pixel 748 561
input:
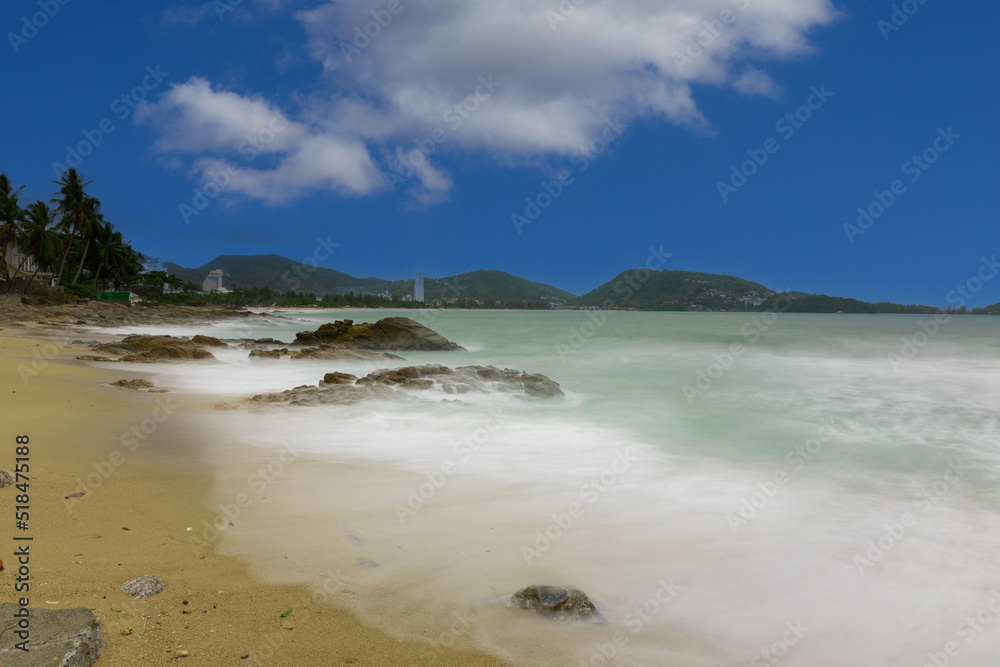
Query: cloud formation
pixel 515 79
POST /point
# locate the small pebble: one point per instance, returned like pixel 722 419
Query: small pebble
pixel 244 656
pixel 182 654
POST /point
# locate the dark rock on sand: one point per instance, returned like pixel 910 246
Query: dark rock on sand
pixel 6 478
pixel 558 603
pixel 143 587
pixel 133 384
pixel 145 349
pixel 90 357
pixel 64 637
pixel 391 333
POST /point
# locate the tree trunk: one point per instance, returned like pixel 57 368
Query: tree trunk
pixel 83 258
pixel 62 264
pixel 32 278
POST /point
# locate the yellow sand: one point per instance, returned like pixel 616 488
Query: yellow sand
pixel 132 521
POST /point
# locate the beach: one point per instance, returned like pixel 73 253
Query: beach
pixel 133 519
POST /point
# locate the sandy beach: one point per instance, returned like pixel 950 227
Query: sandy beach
pixel 140 498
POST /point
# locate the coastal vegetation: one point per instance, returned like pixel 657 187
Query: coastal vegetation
pixel 67 240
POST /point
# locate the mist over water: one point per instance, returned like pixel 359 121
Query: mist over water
pixel 822 495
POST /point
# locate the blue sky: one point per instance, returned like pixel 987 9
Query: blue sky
pixel 300 120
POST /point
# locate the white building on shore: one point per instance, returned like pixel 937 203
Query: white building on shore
pixel 418 287
pixel 213 283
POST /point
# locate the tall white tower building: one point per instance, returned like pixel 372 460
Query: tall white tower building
pixel 418 287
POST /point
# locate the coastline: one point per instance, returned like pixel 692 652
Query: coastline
pixel 133 521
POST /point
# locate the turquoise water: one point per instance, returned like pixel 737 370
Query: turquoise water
pixel 821 489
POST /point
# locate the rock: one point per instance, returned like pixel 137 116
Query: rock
pixel 145 349
pixel 268 354
pixel 182 654
pixel 397 383
pixel 6 478
pixel 268 341
pixel 333 352
pixel 391 333
pixel 558 603
pixel 143 587
pixel 64 637
pixel 90 357
pixel 133 384
pixel 339 378
pixel 208 341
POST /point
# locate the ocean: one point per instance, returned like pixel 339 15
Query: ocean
pixel 728 488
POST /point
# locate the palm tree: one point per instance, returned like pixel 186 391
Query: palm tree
pixel 110 248
pixel 74 208
pixel 92 223
pixel 40 239
pixel 11 215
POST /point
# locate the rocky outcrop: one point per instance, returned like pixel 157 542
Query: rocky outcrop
pixel 64 637
pixel 335 353
pixel 411 381
pixel 339 378
pixel 391 333
pixel 269 354
pixel 135 385
pixel 143 587
pixel 558 603
pixel 146 349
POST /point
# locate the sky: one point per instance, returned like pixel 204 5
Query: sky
pixel 844 148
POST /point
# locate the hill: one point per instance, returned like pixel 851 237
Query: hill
pixel 675 290
pixel 284 274
pixel 279 273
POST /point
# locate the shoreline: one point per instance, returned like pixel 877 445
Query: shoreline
pixel 140 498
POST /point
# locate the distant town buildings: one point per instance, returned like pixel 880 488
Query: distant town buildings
pixel 213 283
pixel 156 264
pixel 418 287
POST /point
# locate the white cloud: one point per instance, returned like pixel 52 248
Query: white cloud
pixel 553 77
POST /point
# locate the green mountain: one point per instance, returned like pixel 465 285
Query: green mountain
pixel 279 273
pixel 643 289
pixel 490 286
pixel 798 302
pixel 284 274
